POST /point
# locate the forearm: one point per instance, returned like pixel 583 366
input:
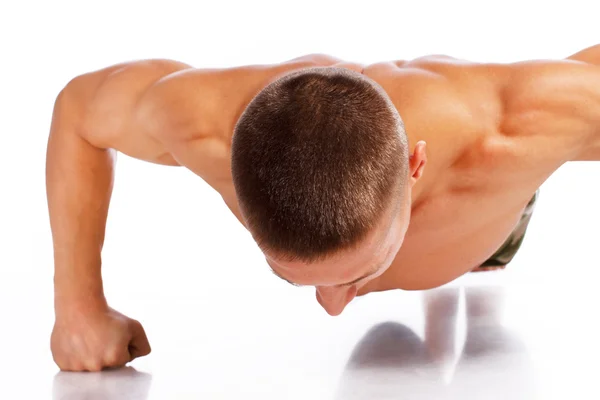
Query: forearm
pixel 79 180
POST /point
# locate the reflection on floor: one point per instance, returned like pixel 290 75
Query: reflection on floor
pixel 392 359
pixel 125 383
pixel 472 340
pixel 479 358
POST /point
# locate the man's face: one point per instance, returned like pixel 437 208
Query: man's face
pixel 338 279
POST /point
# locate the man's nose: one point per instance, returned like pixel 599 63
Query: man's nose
pixel 335 299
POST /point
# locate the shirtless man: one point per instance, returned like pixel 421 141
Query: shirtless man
pixel 323 161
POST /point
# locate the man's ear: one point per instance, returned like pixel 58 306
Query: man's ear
pixel 417 162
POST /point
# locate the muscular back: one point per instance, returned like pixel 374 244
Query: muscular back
pixel 144 108
pixel 495 132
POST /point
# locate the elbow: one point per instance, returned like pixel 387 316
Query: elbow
pixel 73 89
pixel 70 103
pixel 61 99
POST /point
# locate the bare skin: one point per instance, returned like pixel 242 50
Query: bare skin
pixel 483 138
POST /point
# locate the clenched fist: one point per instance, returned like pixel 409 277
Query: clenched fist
pixel 93 340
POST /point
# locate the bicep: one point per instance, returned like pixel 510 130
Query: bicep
pixel 555 105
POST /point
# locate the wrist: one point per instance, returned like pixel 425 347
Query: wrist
pixel 68 308
pixel 78 296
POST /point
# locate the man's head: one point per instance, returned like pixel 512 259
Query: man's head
pixel 321 168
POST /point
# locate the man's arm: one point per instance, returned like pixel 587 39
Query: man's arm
pixel 591 56
pixel 554 106
pixel 157 110
pixel 79 174
pixel 79 177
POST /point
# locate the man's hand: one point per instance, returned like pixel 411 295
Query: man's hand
pixel 85 340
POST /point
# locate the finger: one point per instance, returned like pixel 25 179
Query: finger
pixel 93 366
pixel 117 358
pixel 139 345
pixel 71 367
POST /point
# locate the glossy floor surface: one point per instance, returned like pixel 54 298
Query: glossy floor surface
pixel 223 327
pixel 481 341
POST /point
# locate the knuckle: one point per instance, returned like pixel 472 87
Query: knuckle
pixel 58 360
pixel 94 366
pixel 142 353
pixel 136 323
pixel 74 367
pixel 112 357
pixel 63 366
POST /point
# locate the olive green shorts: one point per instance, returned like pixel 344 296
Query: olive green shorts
pixel 509 248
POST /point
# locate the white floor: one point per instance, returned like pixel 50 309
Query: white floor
pixel 222 326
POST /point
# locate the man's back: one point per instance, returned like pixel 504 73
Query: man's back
pixel 477 180
pixel 495 133
pixel 479 176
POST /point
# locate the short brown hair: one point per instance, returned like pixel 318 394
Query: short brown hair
pixel 316 157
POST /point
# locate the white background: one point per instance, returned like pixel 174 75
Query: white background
pixel 220 324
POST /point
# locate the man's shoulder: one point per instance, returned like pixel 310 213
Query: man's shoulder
pixel 439 78
pixel 443 100
pixel 205 101
pixel 454 105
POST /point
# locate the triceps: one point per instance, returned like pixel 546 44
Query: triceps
pixel 559 101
